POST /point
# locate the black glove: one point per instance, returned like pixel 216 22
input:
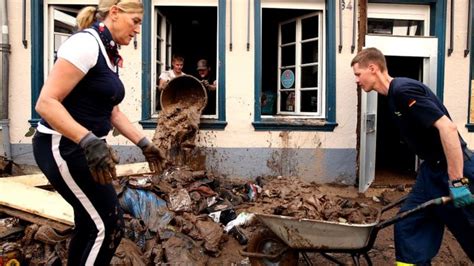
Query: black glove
pixel 153 155
pixel 100 157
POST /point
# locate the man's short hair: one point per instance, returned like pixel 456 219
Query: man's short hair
pixel 176 57
pixel 370 56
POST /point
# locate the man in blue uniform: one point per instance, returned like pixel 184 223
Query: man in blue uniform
pixel 447 168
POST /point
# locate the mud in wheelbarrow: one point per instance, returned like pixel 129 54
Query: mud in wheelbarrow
pixel 286 237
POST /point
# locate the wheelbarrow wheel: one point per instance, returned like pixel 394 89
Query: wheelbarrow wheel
pixel 266 242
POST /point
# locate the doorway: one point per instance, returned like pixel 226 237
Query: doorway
pixel 407 56
pixel 393 156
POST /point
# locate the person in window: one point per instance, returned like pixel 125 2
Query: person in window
pixel 209 82
pixel 447 168
pixel 177 63
pixel 79 104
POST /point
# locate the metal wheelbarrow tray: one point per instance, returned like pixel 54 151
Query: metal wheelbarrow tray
pixel 316 234
pixel 286 237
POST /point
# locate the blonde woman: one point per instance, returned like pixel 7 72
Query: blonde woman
pixel 79 105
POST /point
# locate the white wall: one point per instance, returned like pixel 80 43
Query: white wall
pixel 239 132
pixel 20 73
pixel 456 83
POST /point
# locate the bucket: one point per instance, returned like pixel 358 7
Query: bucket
pixel 184 90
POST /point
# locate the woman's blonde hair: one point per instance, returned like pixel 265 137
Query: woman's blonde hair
pixel 90 14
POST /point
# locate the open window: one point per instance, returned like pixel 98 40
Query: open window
pixel 190 32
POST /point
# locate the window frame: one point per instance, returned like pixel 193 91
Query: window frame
pixel 300 123
pixel 470 123
pixel 437 28
pixel 402 12
pixel 39 15
pixel 148 119
pixel 298 68
pixel 50 41
pixel 163 59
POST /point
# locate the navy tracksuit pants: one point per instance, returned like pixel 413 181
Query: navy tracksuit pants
pixel 97 215
pixel 418 237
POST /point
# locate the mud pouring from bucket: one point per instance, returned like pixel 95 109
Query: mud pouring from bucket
pixel 184 90
pixel 182 102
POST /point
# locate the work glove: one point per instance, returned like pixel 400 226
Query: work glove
pixel 460 193
pixel 152 154
pixel 100 157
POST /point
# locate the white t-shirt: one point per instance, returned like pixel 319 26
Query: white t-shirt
pixel 169 75
pixel 82 50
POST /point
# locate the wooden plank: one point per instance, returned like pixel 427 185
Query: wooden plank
pixel 21 194
pixel 38 180
pixel 34 180
pixel 60 227
pixel 36 201
pixel 132 168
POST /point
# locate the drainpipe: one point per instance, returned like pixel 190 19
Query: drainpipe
pixel 5 52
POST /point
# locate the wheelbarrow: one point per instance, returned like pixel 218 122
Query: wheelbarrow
pixel 285 237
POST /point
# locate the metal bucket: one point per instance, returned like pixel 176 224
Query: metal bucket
pixel 184 90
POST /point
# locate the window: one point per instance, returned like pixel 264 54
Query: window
pixel 395 27
pixel 294 87
pixel 189 32
pixel 162 53
pixel 62 25
pixel 295 65
pixel 299 79
pixel 396 19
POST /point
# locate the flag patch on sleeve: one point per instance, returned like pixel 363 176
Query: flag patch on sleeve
pixel 411 102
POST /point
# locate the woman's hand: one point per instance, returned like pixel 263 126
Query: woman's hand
pixel 100 157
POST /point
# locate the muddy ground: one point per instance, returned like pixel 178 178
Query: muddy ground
pixel 276 193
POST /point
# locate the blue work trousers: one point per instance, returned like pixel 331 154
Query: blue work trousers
pixel 418 236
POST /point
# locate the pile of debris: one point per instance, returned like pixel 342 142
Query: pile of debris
pixel 294 198
pixel 186 216
pixel 176 217
pixel 180 216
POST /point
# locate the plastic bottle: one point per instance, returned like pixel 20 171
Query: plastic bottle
pixel 244 219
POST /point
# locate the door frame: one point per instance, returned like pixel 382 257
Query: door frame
pixel 424 47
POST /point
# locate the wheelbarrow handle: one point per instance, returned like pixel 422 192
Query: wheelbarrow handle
pixel 395 203
pixel 401 215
